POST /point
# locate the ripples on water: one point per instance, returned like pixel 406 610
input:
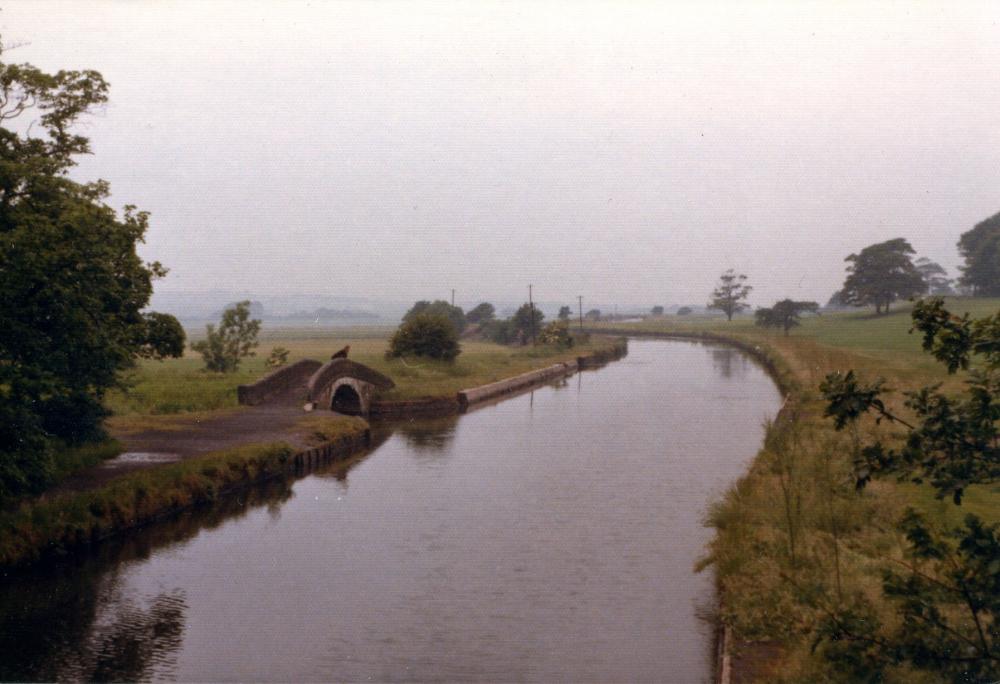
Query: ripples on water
pixel 548 537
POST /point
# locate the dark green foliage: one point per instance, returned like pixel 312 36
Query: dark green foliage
pixel 73 285
pixel 564 313
pixel 481 313
pixel 784 314
pixel 425 334
pixel 499 331
pixel 882 273
pixel 685 311
pixel 593 315
pixel 26 456
pixel 731 293
pixel 527 321
pixel 980 247
pixel 947 591
pixel 657 310
pixel 162 337
pixel 235 339
pixel 439 308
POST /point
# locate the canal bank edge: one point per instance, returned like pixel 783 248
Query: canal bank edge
pixel 738 661
pixel 50 527
pixel 464 399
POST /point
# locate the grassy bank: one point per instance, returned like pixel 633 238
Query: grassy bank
pixel 180 386
pixel 57 523
pixel 793 536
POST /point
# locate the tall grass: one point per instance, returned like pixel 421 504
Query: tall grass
pixel 793 536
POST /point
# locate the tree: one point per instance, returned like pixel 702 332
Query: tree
pixel 657 310
pixel 784 314
pixel 481 313
pixel 430 335
pixel 936 279
pixel 440 308
pixel 527 321
pixel 947 588
pixel 685 311
pixel 882 273
pixel 730 295
pixel 980 247
pixel 593 315
pixel 836 301
pixel 73 285
pixel 564 313
pixel 236 338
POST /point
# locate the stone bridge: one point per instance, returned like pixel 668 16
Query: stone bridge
pixel 345 386
pixel 340 385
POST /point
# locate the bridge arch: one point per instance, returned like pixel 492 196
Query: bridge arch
pixel 347 399
pixel 346 387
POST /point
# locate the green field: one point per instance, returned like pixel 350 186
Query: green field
pixel 181 386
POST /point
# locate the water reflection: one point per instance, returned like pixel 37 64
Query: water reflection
pixel 427 436
pixel 729 362
pixel 546 537
pixel 69 620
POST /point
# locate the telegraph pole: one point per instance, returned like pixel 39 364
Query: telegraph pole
pixel 453 296
pixel 579 299
pixel 531 305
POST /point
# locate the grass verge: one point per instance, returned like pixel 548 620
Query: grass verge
pixel 793 536
pixel 54 525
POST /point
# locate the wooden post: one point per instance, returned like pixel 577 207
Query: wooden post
pixel 531 305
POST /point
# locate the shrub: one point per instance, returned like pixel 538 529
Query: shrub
pixel 278 357
pixel 428 335
pixel 557 334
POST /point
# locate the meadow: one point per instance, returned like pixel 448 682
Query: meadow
pixel 175 389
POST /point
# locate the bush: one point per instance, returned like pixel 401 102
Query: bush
pixel 278 357
pixel 429 335
pixel 685 311
pixel 557 334
pixel 499 331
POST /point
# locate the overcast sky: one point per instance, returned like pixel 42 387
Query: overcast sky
pixel 627 152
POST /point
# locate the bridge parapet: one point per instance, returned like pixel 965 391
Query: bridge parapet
pixel 277 383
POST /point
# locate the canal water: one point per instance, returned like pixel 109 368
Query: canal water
pixel 549 537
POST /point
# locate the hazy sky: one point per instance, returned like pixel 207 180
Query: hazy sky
pixel 628 152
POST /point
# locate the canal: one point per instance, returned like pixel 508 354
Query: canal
pixel 548 537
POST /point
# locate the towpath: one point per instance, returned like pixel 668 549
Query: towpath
pixel 277 421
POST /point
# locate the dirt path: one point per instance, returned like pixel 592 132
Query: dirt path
pixel 273 422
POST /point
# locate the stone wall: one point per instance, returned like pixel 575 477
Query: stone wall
pixel 277 383
pixel 495 389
